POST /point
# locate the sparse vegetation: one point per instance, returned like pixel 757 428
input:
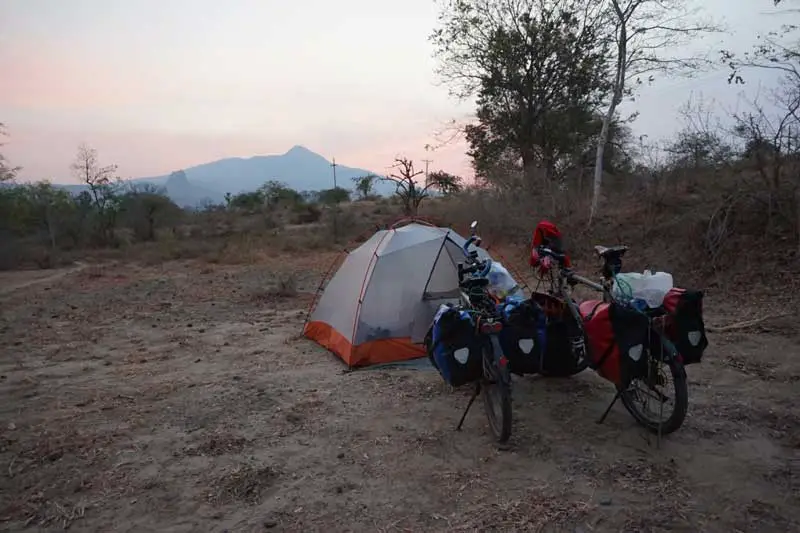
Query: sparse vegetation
pixel 162 382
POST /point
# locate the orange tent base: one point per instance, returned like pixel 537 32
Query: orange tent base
pixel 369 353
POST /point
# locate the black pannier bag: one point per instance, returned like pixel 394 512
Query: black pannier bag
pixel 558 359
pixel 454 347
pixel 524 335
pixel 619 342
pixel 685 326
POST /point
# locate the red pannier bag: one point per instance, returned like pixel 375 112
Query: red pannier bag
pixel 618 338
pixel 685 327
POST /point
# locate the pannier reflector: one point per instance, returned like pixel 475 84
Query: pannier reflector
pixel 526 345
pixel 461 355
pixel 635 352
pixel 694 337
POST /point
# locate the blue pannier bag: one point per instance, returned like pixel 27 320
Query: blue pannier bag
pixel 524 335
pixel 454 347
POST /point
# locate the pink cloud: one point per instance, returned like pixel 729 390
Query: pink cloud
pixel 41 77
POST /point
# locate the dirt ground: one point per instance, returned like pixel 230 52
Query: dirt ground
pixel 181 398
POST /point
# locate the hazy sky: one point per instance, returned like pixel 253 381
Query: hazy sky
pixel 156 85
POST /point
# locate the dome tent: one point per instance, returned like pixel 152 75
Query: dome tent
pixel 379 305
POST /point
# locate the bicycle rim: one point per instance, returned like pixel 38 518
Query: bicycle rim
pixel 497 404
pixel 659 403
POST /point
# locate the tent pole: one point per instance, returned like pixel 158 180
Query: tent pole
pixel 322 281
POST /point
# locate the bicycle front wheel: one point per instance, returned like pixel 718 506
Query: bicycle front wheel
pixel 497 400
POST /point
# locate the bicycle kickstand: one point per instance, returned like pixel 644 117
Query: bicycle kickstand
pixel 608 409
pixel 472 399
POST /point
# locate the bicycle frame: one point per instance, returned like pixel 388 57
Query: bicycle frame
pixel 566 279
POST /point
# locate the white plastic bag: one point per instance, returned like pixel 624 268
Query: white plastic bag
pixel 501 283
pixel 652 288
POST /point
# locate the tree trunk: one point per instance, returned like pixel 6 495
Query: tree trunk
pixel 528 168
pixel 51 228
pixel 797 222
pixel 616 99
pixel 599 155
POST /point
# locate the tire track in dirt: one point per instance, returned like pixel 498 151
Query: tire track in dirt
pixel 15 286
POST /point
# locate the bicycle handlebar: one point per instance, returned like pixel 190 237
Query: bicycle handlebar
pixel 474 263
pixel 484 266
pixel 559 257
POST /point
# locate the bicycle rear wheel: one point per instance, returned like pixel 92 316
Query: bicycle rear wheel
pixel 497 399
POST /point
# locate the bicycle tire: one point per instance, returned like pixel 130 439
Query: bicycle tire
pixel 501 429
pixel 674 422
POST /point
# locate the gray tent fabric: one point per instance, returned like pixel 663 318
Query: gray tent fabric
pixel 388 289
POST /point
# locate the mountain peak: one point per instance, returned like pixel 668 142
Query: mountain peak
pixel 178 179
pixel 299 150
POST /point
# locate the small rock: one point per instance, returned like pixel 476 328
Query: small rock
pixel 188 325
pixel 237 378
pixel 606 500
pixel 269 524
pixel 12 426
pixel 340 455
pixel 197 360
pixel 201 330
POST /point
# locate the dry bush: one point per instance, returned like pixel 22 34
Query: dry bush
pixel 285 286
pixel 673 221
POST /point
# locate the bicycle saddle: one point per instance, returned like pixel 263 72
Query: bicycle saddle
pixel 605 251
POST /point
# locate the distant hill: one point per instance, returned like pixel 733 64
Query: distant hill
pixel 299 168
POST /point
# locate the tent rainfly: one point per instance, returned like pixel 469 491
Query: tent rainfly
pixel 379 305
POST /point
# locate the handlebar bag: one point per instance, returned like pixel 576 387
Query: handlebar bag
pixel 685 326
pixel 618 341
pixel 454 346
pixel 523 336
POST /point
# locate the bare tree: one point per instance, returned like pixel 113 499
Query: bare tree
pixel 101 182
pixel 772 138
pixel 7 173
pixel 412 193
pixel 645 34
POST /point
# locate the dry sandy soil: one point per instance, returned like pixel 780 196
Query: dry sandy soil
pixel 181 398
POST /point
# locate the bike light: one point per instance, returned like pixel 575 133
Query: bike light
pixel 503 361
pixel 491 327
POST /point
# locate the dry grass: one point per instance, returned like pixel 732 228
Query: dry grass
pixel 244 483
pixel 539 509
